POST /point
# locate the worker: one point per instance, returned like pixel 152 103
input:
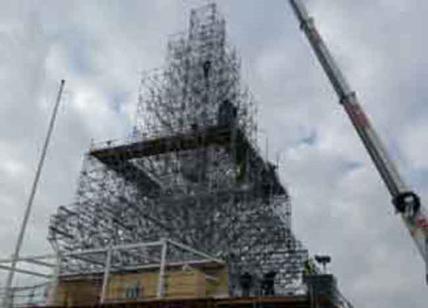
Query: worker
pixel 206 66
pixel 227 114
pixel 268 283
pixel 246 281
pixel 309 268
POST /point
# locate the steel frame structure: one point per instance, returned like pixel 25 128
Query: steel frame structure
pixel 191 171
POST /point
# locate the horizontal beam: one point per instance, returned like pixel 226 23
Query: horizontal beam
pixel 32 259
pixel 194 251
pixel 180 142
pixel 41 263
pixel 118 247
pixel 79 254
pixel 23 271
pixel 116 268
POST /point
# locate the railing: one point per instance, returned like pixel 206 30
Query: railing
pixel 47 270
pixel 29 296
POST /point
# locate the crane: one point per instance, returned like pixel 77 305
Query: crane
pixel 406 202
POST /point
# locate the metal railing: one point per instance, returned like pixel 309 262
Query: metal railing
pixel 46 269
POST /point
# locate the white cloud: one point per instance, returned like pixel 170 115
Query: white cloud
pixel 415 143
pixel 340 204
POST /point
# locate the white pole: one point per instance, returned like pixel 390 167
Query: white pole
pixel 20 239
pixel 161 283
pixel 53 289
pixel 106 275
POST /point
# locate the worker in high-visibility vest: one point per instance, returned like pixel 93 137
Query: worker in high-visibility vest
pixel 309 268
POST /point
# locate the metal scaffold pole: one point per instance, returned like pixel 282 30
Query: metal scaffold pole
pixel 15 257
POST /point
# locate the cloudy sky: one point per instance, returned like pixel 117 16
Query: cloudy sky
pixel 340 205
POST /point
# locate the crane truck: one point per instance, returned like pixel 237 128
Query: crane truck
pixel 406 202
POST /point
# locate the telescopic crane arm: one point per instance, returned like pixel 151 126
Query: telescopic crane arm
pixel 405 201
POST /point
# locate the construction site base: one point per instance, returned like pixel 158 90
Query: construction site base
pixel 253 302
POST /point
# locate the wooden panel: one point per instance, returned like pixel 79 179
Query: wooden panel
pixel 219 287
pixel 185 284
pixel 126 287
pixel 204 281
pixel 77 293
pixel 137 286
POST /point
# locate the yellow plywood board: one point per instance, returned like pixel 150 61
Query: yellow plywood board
pixel 132 286
pixel 183 284
pixel 179 283
pixel 77 293
pixel 144 285
pixel 219 287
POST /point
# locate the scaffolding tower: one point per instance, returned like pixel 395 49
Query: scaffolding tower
pixel 191 171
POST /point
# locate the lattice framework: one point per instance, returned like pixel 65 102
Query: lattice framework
pixel 191 170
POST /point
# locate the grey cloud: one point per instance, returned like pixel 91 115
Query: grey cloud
pixel 101 48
